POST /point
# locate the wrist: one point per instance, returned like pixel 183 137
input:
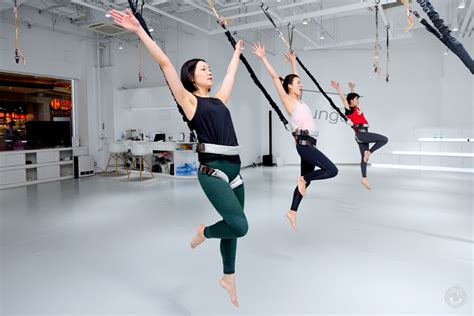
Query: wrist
pixel 140 31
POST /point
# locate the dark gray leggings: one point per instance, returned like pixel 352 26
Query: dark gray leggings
pixel 310 158
pixel 363 140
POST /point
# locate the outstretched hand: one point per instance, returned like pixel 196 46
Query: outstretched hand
pixel 335 85
pixel 290 57
pixel 352 86
pixel 258 49
pixel 239 47
pixel 125 19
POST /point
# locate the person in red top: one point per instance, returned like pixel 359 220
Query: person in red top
pixel 361 129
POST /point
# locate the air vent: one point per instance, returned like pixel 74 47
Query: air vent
pixel 106 28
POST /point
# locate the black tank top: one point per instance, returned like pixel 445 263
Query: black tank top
pixel 214 125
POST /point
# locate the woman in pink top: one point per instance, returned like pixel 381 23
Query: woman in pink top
pixel 290 93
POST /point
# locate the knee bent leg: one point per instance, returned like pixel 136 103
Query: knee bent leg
pixel 241 227
pixel 334 171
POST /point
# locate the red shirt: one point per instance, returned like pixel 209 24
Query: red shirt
pixel 356 116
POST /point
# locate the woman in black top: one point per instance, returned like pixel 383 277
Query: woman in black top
pixel 213 124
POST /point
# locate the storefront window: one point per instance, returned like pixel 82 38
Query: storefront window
pixel 35 112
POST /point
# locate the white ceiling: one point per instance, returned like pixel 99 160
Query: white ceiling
pixel 322 16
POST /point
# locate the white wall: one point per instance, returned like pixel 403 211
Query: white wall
pixel 126 69
pixel 56 54
pixel 426 90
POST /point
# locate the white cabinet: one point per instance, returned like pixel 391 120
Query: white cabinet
pixel 48 156
pixel 15 176
pixel 12 176
pixel 14 160
pixel 180 158
pixel 26 167
pixel 49 172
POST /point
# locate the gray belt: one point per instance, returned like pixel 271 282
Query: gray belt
pixel 357 126
pixel 305 132
pixel 221 175
pixel 218 149
pixel 360 128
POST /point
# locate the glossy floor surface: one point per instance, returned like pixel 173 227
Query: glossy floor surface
pixel 103 245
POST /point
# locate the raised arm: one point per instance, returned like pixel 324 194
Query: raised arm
pixel 291 58
pixel 337 86
pixel 287 101
pixel 226 88
pixel 352 87
pixel 185 99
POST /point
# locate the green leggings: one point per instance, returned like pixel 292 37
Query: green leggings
pixel 230 205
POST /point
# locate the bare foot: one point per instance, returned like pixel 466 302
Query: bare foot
pixel 199 237
pixel 365 183
pixel 367 155
pixel 228 283
pixel 301 183
pixel 291 215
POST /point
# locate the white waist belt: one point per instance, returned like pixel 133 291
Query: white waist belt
pixel 218 149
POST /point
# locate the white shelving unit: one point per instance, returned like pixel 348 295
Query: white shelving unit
pixel 181 156
pixel 19 168
pixel 184 159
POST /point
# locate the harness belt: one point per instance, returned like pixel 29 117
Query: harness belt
pixel 304 137
pixel 221 175
pixel 218 149
pixel 305 140
pixel 360 127
pixel 305 132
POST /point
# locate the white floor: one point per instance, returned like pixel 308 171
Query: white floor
pixel 107 246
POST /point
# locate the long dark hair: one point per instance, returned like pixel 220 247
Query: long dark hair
pixel 288 80
pixel 187 74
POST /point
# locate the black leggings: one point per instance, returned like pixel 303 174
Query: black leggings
pixel 310 158
pixel 363 140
